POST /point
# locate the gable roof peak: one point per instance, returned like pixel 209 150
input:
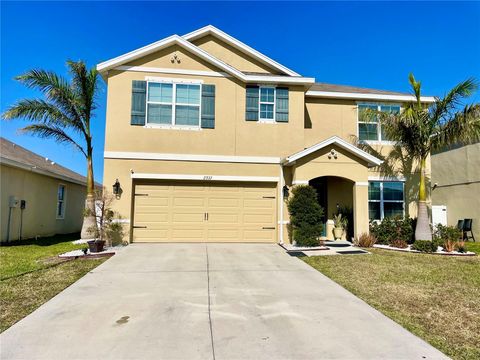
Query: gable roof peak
pixel 212 30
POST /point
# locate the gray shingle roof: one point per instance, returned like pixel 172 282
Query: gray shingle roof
pixel 13 153
pixel 352 89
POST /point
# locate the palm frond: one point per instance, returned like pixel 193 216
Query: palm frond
pixel 463 128
pixel 85 83
pixel 57 90
pixel 52 132
pixel 447 106
pixel 38 110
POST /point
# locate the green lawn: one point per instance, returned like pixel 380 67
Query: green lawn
pixel 435 297
pixel 31 274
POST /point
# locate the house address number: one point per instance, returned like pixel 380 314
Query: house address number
pixel 208 177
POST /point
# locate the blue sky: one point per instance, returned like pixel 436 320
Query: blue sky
pixel 363 44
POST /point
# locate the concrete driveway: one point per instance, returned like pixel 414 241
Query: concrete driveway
pixel 208 301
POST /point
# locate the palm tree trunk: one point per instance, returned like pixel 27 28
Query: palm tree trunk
pixel 422 230
pixel 89 221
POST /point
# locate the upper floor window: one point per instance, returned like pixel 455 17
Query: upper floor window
pixel 369 128
pixel 61 201
pixel 267 103
pixel 173 104
pixel 385 199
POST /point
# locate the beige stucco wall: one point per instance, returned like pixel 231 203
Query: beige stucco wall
pixel 40 193
pixel 232 56
pixel 311 120
pixel 457 173
pixel 232 134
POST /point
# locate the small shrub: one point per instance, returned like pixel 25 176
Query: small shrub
pixel 399 243
pixel 425 246
pixel 305 215
pixel 391 230
pixel 447 237
pixel 365 240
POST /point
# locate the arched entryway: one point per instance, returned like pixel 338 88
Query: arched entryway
pixel 335 194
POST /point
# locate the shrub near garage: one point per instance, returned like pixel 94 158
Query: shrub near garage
pixel 305 215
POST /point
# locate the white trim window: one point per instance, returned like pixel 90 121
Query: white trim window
pixel 369 128
pixel 173 104
pixel 61 201
pixel 386 199
pixel 267 103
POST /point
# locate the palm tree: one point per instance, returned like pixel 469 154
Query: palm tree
pixel 65 111
pixel 421 129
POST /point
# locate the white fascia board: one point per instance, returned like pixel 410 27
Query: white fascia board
pixel 246 78
pixel 279 79
pixel 362 96
pixel 172 71
pixel 204 177
pixel 174 39
pixel 210 29
pixel 333 140
pixel 36 170
pixel 191 157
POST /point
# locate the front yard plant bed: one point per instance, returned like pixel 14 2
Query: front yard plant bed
pixel 31 273
pixel 439 251
pixel 435 297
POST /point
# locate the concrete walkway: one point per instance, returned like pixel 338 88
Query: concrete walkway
pixel 215 301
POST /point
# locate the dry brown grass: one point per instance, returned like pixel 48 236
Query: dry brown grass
pixel 435 297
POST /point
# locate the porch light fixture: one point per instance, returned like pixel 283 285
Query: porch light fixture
pixel 286 191
pixel 116 187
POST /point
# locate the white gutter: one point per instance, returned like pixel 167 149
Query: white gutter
pixel 365 96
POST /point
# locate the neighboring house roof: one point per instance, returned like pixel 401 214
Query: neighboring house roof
pixel 372 160
pixel 17 156
pixel 212 30
pixel 352 92
pixel 290 77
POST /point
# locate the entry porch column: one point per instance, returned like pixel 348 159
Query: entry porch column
pixel 360 208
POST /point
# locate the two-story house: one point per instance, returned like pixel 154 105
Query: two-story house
pixel 206 137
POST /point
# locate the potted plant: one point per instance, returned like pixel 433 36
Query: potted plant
pixel 106 227
pixel 339 225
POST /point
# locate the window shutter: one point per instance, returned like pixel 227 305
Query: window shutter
pixel 252 103
pixel 281 114
pixel 208 107
pixel 139 102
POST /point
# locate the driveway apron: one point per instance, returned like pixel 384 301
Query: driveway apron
pixel 208 301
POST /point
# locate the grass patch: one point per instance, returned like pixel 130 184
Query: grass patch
pixel 34 254
pixel 31 274
pixel 435 297
pixel 473 246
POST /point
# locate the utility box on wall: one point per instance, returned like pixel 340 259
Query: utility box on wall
pixel 13 202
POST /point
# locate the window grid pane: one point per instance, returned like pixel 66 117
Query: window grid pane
pixel 374 211
pixel 267 95
pixel 368 131
pixel 159 114
pixel 393 191
pixel 266 111
pixel 186 115
pixel 188 94
pixel 158 92
pixel 374 190
pixel 392 209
